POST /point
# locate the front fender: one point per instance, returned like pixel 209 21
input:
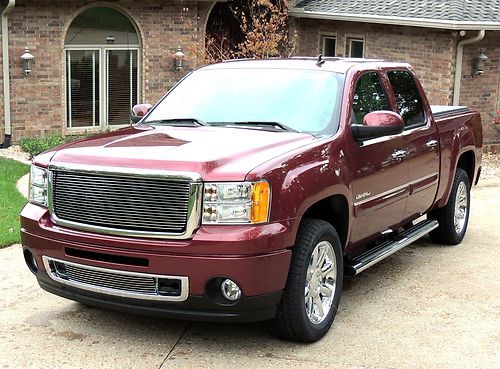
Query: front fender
pixel 304 177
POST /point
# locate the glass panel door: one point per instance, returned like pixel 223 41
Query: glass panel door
pixel 82 88
pixel 122 83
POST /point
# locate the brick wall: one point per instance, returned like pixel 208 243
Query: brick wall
pixel 431 52
pixel 38 102
pixel 483 92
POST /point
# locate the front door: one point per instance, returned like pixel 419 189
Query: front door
pixel 379 172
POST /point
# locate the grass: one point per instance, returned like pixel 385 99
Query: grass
pixel 11 201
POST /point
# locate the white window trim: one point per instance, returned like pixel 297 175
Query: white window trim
pixel 324 36
pixel 350 38
pixel 102 86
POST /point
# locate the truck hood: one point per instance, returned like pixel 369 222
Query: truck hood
pixel 216 153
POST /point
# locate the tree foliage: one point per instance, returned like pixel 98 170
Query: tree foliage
pixel 264 28
pixel 264 24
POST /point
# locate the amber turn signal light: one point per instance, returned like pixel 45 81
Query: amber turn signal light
pixel 261 196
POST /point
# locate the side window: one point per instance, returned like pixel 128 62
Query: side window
pixel 407 97
pixel 369 96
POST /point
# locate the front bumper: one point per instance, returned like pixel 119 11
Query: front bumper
pixel 261 275
pixel 196 308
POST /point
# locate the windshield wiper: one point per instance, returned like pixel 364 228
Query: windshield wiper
pixel 179 121
pixel 262 124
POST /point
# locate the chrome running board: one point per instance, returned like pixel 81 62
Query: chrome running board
pixel 385 249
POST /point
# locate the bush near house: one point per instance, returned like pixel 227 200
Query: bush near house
pixel 11 201
pixel 36 145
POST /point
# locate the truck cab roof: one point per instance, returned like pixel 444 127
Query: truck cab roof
pixel 337 65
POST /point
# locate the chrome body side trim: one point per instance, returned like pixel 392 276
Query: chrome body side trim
pixel 398 190
pixel 194 206
pixel 184 281
pixel 385 195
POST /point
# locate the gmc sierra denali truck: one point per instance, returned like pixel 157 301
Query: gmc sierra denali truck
pixel 250 190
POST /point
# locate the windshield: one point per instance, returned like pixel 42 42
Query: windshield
pixel 301 100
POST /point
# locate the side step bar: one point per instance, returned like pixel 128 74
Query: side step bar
pixel 385 249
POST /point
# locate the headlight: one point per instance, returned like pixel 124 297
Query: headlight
pixel 236 202
pixel 39 180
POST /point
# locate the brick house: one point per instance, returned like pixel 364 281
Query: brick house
pixel 430 35
pixel 94 59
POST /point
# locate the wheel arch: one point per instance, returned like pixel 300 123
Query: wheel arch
pixel 467 162
pixel 334 210
pixel 465 159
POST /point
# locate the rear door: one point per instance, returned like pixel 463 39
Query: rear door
pixel 379 174
pixel 420 139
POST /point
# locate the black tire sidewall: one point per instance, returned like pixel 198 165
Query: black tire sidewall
pixel 461 177
pixel 326 232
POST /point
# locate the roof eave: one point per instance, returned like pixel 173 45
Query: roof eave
pixel 399 21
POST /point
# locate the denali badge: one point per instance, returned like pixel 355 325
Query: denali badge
pixel 362 195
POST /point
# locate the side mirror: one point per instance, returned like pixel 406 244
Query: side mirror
pixel 378 124
pixel 139 111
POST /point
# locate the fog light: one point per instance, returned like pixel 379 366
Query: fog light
pixel 230 290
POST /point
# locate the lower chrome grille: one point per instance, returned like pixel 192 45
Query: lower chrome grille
pixel 118 283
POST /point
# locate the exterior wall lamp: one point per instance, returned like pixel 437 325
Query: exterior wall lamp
pixel 178 56
pixel 478 68
pixel 110 40
pixel 27 57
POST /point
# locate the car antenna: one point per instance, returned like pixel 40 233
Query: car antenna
pixel 320 60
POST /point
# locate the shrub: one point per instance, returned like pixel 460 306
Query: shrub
pixel 36 145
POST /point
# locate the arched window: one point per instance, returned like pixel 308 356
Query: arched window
pixel 102 68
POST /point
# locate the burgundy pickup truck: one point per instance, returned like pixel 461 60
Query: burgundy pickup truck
pixel 250 190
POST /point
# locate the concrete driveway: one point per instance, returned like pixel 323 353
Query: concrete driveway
pixel 428 306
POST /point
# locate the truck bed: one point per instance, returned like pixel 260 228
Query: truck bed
pixel 444 111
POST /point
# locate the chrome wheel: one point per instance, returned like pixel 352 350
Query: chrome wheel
pixel 320 282
pixel 461 208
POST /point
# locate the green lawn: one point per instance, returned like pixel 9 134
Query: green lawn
pixel 11 201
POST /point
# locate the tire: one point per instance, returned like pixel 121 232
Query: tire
pixel 454 217
pixel 293 322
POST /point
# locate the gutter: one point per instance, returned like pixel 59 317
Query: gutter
pixel 459 64
pixel 6 72
pixel 398 21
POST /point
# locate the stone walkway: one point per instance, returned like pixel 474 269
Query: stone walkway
pixel 15 152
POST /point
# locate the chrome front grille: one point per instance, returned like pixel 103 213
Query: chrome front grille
pixel 118 283
pixel 139 203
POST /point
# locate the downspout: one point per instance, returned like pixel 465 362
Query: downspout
pixel 459 60
pixel 6 72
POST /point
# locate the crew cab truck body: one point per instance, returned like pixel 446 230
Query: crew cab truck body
pixel 250 190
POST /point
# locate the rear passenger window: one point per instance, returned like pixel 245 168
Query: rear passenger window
pixel 407 97
pixel 369 96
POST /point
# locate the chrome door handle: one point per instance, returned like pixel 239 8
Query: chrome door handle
pixel 399 154
pixel 431 144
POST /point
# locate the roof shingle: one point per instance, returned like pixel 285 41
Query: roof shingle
pixel 453 11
